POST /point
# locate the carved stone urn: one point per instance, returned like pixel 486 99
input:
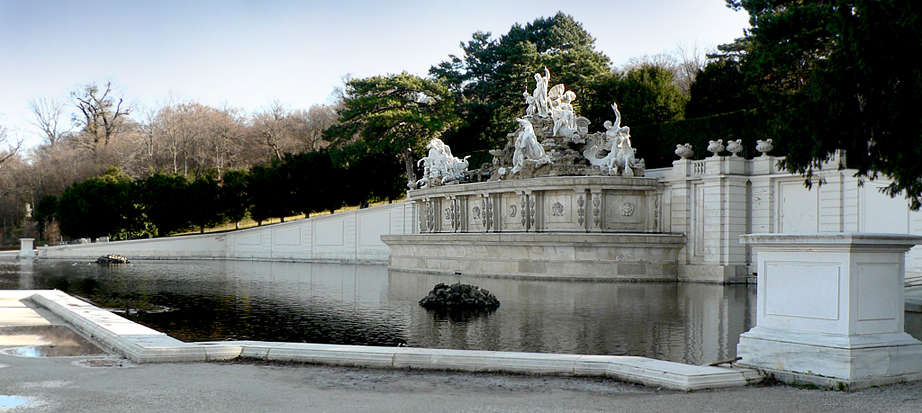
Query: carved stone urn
pixel 684 151
pixel 735 147
pixel 764 146
pixel 716 147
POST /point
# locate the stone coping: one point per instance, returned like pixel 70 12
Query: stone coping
pixel 144 345
pixel 835 239
pixel 545 183
pixel 540 238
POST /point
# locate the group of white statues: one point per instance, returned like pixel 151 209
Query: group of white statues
pixel 440 167
pixel 556 102
pixel 551 110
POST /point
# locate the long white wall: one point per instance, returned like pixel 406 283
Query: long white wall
pixel 353 236
pixel 717 199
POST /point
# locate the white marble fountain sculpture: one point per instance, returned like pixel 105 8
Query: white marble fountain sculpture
pixel 528 148
pixel 552 140
pixel 620 159
pixel 440 167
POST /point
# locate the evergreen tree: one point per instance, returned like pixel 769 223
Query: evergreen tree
pixel 381 117
pixel 489 80
pixel 100 206
pixel 204 202
pixel 719 88
pixel 166 201
pixel 836 74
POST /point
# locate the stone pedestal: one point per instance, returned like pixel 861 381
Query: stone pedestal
pixel 26 247
pixel 830 310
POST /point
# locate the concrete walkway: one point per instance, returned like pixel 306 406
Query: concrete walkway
pixel 114 383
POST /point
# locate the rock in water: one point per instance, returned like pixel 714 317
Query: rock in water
pixel 112 259
pixel 459 297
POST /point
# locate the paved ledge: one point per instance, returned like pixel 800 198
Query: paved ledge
pixel 144 345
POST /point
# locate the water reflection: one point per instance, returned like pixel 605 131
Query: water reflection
pixel 46 341
pixel 350 304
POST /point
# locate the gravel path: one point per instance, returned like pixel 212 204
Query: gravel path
pixel 80 384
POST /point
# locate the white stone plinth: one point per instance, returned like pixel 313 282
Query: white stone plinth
pixel 26 247
pixel 579 256
pixel 830 309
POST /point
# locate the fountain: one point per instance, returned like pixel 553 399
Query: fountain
pixel 559 202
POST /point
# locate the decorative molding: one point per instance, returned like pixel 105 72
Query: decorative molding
pixel 532 213
pixel 596 209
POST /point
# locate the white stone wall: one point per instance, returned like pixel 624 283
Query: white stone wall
pixel 717 199
pixel 353 236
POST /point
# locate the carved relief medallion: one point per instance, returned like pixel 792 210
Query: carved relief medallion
pixel 557 209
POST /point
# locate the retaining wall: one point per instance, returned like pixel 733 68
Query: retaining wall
pixel 353 236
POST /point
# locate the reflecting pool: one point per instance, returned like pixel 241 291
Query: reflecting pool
pixel 353 304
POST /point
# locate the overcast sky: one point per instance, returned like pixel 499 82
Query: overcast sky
pixel 247 53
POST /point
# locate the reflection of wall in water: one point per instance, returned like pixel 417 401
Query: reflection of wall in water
pixel 681 322
pixel 26 276
pixel 354 285
pixel 715 317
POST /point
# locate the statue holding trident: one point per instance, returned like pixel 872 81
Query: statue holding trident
pixel 542 103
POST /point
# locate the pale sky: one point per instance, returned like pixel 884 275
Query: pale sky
pixel 248 53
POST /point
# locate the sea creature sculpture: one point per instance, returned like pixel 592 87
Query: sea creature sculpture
pixel 620 159
pixel 440 167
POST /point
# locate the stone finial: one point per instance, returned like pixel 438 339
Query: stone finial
pixel 716 147
pixel 735 147
pixel 684 151
pixel 764 146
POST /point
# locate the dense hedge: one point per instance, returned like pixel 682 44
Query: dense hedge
pixel 656 143
pixel 161 204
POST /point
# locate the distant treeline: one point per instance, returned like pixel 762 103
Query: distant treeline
pixel 117 206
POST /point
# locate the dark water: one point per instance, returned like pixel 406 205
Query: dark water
pixel 349 304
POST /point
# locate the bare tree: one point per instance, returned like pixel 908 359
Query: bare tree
pixel 178 128
pixel 308 125
pixel 226 132
pixel 190 138
pixel 101 115
pixel 273 125
pixel 691 59
pixel 684 63
pixel 47 114
pixel 8 148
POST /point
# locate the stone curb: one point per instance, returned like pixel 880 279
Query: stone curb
pixel 144 345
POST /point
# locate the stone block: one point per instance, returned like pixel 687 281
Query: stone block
pixel 848 330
